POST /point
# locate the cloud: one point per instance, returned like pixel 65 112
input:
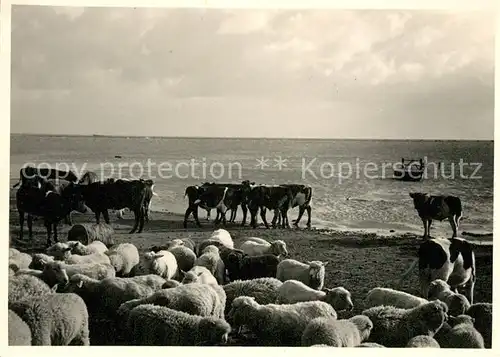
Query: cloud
pixel 377 72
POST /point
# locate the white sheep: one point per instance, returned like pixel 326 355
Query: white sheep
pixel 91 248
pixel 152 325
pixel 210 259
pixel 18 259
pixel 423 341
pixel 370 345
pixel 162 263
pixel 55 319
pixel 224 237
pixel 277 325
pixel 264 290
pixel 311 273
pixel 124 258
pixel 337 333
pixel 108 293
pixel 58 250
pixel 194 299
pixel 184 256
pixel 459 333
pixel 390 297
pixel 253 248
pixel 19 332
pixel 457 303
pixel 59 273
pixel 394 327
pixel 199 274
pixel 24 285
pixel 292 291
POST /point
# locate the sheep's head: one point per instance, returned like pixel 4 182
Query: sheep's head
pixel 364 325
pixel 461 319
pixel 212 331
pixel 150 256
pixel 59 250
pixel 210 249
pixel 430 316
pixel 278 247
pixel 190 277
pixel 339 298
pixel 170 283
pixel 78 248
pixel 457 305
pixel 240 307
pixel 317 273
pixel 55 273
pixel 77 283
pixel 437 287
pixel 175 243
pixel 39 260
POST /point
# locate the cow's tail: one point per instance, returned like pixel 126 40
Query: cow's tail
pixel 408 272
pixel 309 192
pixel 17 184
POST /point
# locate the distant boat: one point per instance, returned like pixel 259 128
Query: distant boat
pixel 410 170
pixel 118 156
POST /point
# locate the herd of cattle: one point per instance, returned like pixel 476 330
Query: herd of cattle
pixel 54 194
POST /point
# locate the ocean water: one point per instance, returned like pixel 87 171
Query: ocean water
pixel 352 180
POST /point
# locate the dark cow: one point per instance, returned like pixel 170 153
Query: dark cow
pixel 301 197
pixel 239 199
pixel 437 208
pixel 49 200
pixel 215 196
pixel 451 260
pixel 86 179
pixel 263 197
pixel 29 172
pixel 117 194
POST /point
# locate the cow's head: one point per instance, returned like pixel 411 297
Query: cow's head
pixel 419 198
pixel 73 194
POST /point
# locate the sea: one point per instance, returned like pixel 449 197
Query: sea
pixel 352 180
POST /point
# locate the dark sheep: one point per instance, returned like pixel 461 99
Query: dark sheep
pixel 246 267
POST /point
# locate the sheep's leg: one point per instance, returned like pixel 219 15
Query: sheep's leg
pixel 82 339
pixel 453 226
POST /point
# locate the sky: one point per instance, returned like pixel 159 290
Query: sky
pixel 367 74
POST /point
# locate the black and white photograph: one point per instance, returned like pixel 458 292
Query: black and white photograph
pixel 275 176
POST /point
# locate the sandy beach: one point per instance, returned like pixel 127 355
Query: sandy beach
pixel 357 261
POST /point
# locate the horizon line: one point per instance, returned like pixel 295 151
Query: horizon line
pixel 240 138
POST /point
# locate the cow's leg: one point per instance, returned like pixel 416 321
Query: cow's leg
pixel 453 224
pixel 55 232
pixel 222 216
pixel 105 214
pixel 137 214
pixel 424 280
pixel 30 226
pixel 217 216
pixel 424 222
pixel 233 214
pixel 308 209
pixel 429 223
pixel 208 213
pixel 195 215
pixel 299 217
pixel 284 214
pixel 97 216
pixel 48 226
pixel 275 217
pixel 67 219
pixel 21 224
pixel 244 208
pixel 263 216
pixel 142 219
pixel 457 220
pixel 189 210
pixel 470 288
pixel 253 217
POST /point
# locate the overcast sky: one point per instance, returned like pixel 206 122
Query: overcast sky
pixel 195 72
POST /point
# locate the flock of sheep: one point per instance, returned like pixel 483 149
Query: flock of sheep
pixel 211 293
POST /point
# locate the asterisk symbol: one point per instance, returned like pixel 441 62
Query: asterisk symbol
pixel 280 162
pixel 262 162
